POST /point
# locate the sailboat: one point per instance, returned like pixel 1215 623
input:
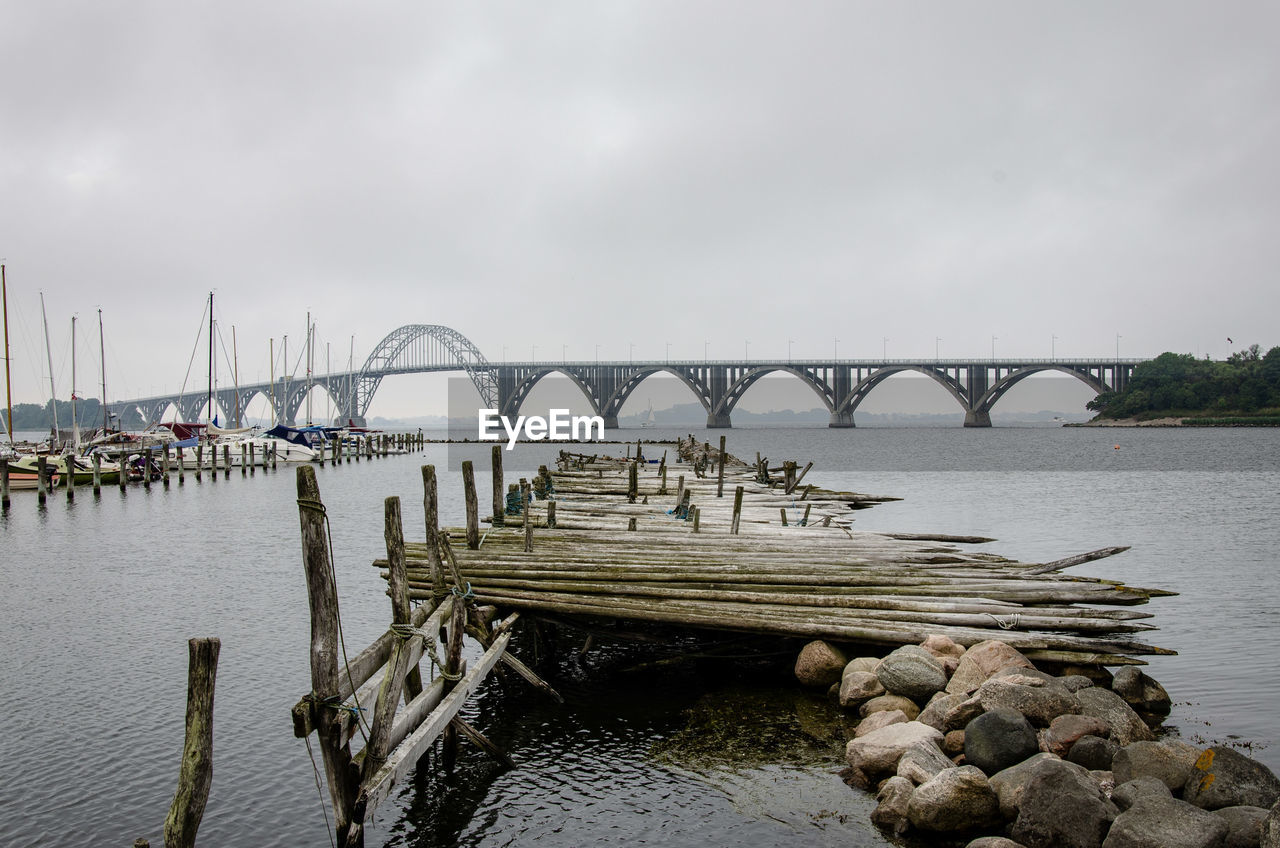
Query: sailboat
pixel 649 420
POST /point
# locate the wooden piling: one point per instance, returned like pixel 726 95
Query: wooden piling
pixel 146 469
pixel 662 490
pixel 164 467
pixel 473 507
pixel 679 491
pixel 499 504
pixel 122 476
pixel 431 513
pixel 226 462
pixel 273 457
pixel 737 509
pixel 697 519
pixel 42 476
pixel 199 460
pixel 181 469
pixel 720 472
pixel 631 523
pixel 551 514
pixel 527 498
pixel 633 485
pixel 244 460
pixel 451 675
pixel 322 596
pixel 4 484
pixel 804 522
pixel 71 477
pixel 196 775
pixel 783 510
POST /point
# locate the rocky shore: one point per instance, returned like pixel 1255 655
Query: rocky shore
pixel 980 744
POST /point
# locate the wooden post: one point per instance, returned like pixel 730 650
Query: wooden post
pixel 631 523
pixel 804 522
pixel 4 484
pixel 526 497
pixel 97 474
pixel 499 506
pixel 122 476
pixel 199 460
pixel 473 508
pixel 196 774
pixel 737 510
pixel 71 477
pixel 181 469
pixel 720 474
pixel 697 518
pixel 679 491
pixel 551 514
pixel 452 663
pixel 226 462
pixel 42 472
pixel 322 596
pixel 431 512
pixel 273 457
pixel 783 510
pixel 164 464
pixel 633 482
pixel 146 469
pixel 244 460
pixel 662 490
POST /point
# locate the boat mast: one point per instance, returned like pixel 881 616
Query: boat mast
pixel 235 371
pixel 75 421
pixel 8 388
pixel 209 415
pixel 309 329
pixel 272 366
pixel 53 395
pixel 102 354
pixel 285 400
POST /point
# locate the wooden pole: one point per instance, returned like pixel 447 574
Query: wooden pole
pixel 720 473
pixel 804 522
pixel 97 474
pixel 631 523
pixel 473 508
pixel 123 471
pixel 322 596
pixel 783 510
pixel 199 460
pixel 146 468
pixel 244 460
pixel 551 514
pixel 431 511
pixel 196 775
pixel 451 675
pixel 697 519
pixel 679 491
pixel 226 462
pixel 71 477
pixel 165 467
pixel 397 581
pixel 4 484
pixel 181 469
pixel 662 490
pixel 527 498
pixel 737 509
pixel 633 482
pixel 499 506
pixel 42 472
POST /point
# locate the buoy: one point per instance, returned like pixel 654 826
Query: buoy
pixel 1117 447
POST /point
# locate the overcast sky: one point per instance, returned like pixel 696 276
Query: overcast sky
pixel 699 173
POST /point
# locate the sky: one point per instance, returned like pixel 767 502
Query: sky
pixel 904 179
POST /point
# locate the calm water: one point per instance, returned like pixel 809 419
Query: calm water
pixel 98 598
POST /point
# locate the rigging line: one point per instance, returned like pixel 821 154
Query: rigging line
pixel 196 347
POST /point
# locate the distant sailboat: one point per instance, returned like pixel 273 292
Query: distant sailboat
pixel 649 420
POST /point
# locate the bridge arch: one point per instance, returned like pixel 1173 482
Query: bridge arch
pixel 421 347
pixel 982 405
pixel 614 403
pixel 751 376
pixel 859 392
pixel 526 384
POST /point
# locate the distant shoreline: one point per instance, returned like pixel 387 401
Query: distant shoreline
pixel 1184 421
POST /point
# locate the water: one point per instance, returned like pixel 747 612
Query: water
pixel 98 598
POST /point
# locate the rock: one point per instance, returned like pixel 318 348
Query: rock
pixel 1154 822
pixel 993 842
pixel 942 646
pixel 879 751
pixel 890 702
pixel 998 739
pixel 953 743
pixel 1223 777
pixel 891 808
pixel 949 666
pixel 1062 807
pixel 1244 826
pixel 1129 792
pixel 1074 682
pixel 1065 730
pixel 958 716
pixel 1169 761
pixel 1126 725
pixel 957 799
pixel 1093 752
pixel 875 721
pixel 1040 702
pixel 912 672
pixel 1147 697
pixel 936 710
pixel 920 763
pixel 981 661
pixel 1271 828
pixel 862 664
pixel 1019 671
pixel 1106 781
pixel 1009 784
pixel 858 687
pixel 820 664
pixel 1097 673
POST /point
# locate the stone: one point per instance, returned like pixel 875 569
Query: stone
pixel 936 710
pixel 1062 807
pixel 1074 682
pixel 1039 701
pixel 1020 671
pixel 912 672
pixel 1154 822
pixel 1106 781
pixel 890 702
pixel 1223 777
pixel 1126 725
pixel 998 739
pixel 820 664
pixel 879 751
pixel 993 842
pixel 891 805
pixel 956 800
pixel 942 646
pixel 1129 792
pixel 1093 752
pixel 949 666
pixel 1244 826
pixel 953 743
pixel 1271 828
pixel 1147 697
pixel 958 716
pixel 920 763
pixel 983 660
pixel 1009 784
pixel 1169 761
pixel 875 721
pixel 862 664
pixel 1097 673
pixel 858 687
pixel 1065 730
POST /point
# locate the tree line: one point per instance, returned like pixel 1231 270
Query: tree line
pixel 31 416
pixel 1246 382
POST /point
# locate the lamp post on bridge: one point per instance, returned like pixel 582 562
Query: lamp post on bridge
pixel 993 348
pixel 789 343
pixel 835 349
pixel 533 353
pixel 597 354
pixel 564 354
pixel 884 348
pixel 937 340
pixel 746 348
pixel 631 352
pixel 668 353
pixel 1053 348
pixel 504 354
pixel 1117 347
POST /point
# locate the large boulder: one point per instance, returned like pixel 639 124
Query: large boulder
pixel 1223 777
pixel 1010 783
pixel 942 646
pixel 1065 730
pixel 1126 794
pixel 1093 752
pixel 998 739
pixel 956 800
pixel 1244 826
pixel 912 672
pixel 820 664
pixel 1041 702
pixel 1147 697
pixel 862 664
pixel 890 702
pixel 875 721
pixel 879 751
pixel 981 661
pixel 891 805
pixel 1126 725
pixel 1062 806
pixel 858 687
pixel 1271 828
pixel 993 842
pixel 921 763
pixel 1169 761
pixel 1154 822
pixel 935 712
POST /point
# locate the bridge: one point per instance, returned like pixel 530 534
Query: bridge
pixel 841 384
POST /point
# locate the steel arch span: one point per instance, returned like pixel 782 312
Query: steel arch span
pixel 415 348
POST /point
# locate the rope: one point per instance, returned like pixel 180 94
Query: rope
pixel 466 595
pixel 1007 623
pixel 324 811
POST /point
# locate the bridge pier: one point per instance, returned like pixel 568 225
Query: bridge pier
pixel 977 418
pixel 718 421
pixel 841 419
pixel 610 422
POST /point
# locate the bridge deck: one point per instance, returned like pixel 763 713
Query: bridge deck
pixel 810 581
